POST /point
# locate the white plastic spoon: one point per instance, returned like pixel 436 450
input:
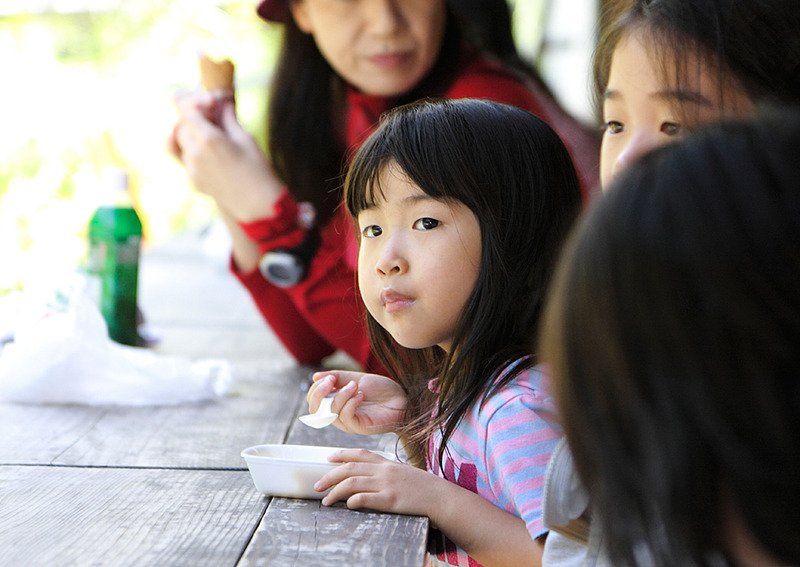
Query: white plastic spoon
pixel 323 417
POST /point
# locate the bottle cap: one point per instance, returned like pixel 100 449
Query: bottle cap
pixel 115 179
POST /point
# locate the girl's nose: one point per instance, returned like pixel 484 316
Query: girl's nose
pixel 391 261
pixel 639 144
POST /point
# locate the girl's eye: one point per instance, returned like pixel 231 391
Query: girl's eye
pixel 613 127
pixel 670 128
pixel 426 223
pixel 371 231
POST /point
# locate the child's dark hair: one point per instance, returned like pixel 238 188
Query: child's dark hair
pixel 754 45
pixel 673 336
pixel 513 172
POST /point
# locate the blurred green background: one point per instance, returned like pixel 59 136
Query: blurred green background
pixel 89 83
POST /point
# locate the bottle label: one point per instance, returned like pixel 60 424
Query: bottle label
pixel 128 251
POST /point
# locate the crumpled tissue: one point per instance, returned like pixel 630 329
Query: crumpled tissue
pixel 60 353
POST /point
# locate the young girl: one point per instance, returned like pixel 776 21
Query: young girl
pixel 341 65
pixel 672 335
pixel 663 67
pixel 461 208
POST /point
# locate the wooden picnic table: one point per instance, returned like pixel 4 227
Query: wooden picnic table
pixel 86 485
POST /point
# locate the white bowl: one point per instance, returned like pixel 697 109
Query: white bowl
pixel 291 471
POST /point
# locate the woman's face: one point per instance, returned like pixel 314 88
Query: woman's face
pixel 381 47
pixel 641 111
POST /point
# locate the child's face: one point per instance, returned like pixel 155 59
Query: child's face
pixel 641 112
pixel 418 262
pixel 381 47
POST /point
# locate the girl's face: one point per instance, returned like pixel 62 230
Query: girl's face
pixel 641 112
pixel 381 47
pixel 418 261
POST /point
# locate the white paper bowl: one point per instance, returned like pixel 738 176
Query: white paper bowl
pixel 291 471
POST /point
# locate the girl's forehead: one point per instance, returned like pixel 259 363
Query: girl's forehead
pixel 391 184
pixel 680 66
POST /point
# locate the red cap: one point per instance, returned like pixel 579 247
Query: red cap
pixel 274 10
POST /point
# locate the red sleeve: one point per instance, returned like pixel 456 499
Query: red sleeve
pixel 322 313
pixel 299 338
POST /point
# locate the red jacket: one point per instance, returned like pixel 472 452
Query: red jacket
pixel 324 312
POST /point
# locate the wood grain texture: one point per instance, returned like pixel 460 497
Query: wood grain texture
pixel 303 533
pixel 83 516
pixel 180 283
pixel 205 435
pixel 84 485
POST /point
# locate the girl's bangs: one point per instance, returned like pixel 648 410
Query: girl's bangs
pixel 363 180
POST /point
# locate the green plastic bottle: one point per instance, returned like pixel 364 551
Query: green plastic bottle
pixel 115 235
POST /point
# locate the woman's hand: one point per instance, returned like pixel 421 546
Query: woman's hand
pixel 366 403
pixel 223 160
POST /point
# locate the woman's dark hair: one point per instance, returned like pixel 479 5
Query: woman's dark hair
pixel 305 140
pixel 673 336
pixel 489 26
pixel 752 44
pixel 513 172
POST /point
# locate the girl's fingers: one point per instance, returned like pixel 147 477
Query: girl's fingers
pixel 335 376
pixel 319 390
pixel 347 487
pixel 347 412
pixel 343 396
pixel 349 469
pixel 356 456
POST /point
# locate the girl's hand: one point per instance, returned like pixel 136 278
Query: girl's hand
pixel 223 160
pixel 368 480
pixel 366 403
pixel 485 531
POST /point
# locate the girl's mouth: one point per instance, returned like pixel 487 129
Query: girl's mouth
pixel 394 302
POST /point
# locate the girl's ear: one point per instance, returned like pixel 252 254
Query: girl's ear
pixel 300 15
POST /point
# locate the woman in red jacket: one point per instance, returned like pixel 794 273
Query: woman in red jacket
pixel 342 64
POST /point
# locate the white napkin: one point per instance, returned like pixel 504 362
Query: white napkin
pixel 61 354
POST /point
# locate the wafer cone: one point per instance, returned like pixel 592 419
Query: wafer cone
pixel 215 75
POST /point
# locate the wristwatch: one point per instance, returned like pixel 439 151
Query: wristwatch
pixel 288 267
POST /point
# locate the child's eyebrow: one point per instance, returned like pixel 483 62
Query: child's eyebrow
pixel 405 201
pixel 681 95
pixel 412 199
pixel 669 95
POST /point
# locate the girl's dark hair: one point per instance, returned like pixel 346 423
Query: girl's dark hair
pixel 307 110
pixel 513 172
pixel 752 44
pixel 673 336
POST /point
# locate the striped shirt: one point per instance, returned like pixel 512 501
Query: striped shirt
pixel 500 451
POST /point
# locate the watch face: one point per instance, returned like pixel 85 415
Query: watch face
pixel 281 273
pixel 282 269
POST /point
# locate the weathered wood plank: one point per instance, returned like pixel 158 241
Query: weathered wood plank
pixel 179 283
pixel 205 435
pixel 85 516
pixel 39 434
pixel 303 533
pixel 239 345
pixel 153 486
